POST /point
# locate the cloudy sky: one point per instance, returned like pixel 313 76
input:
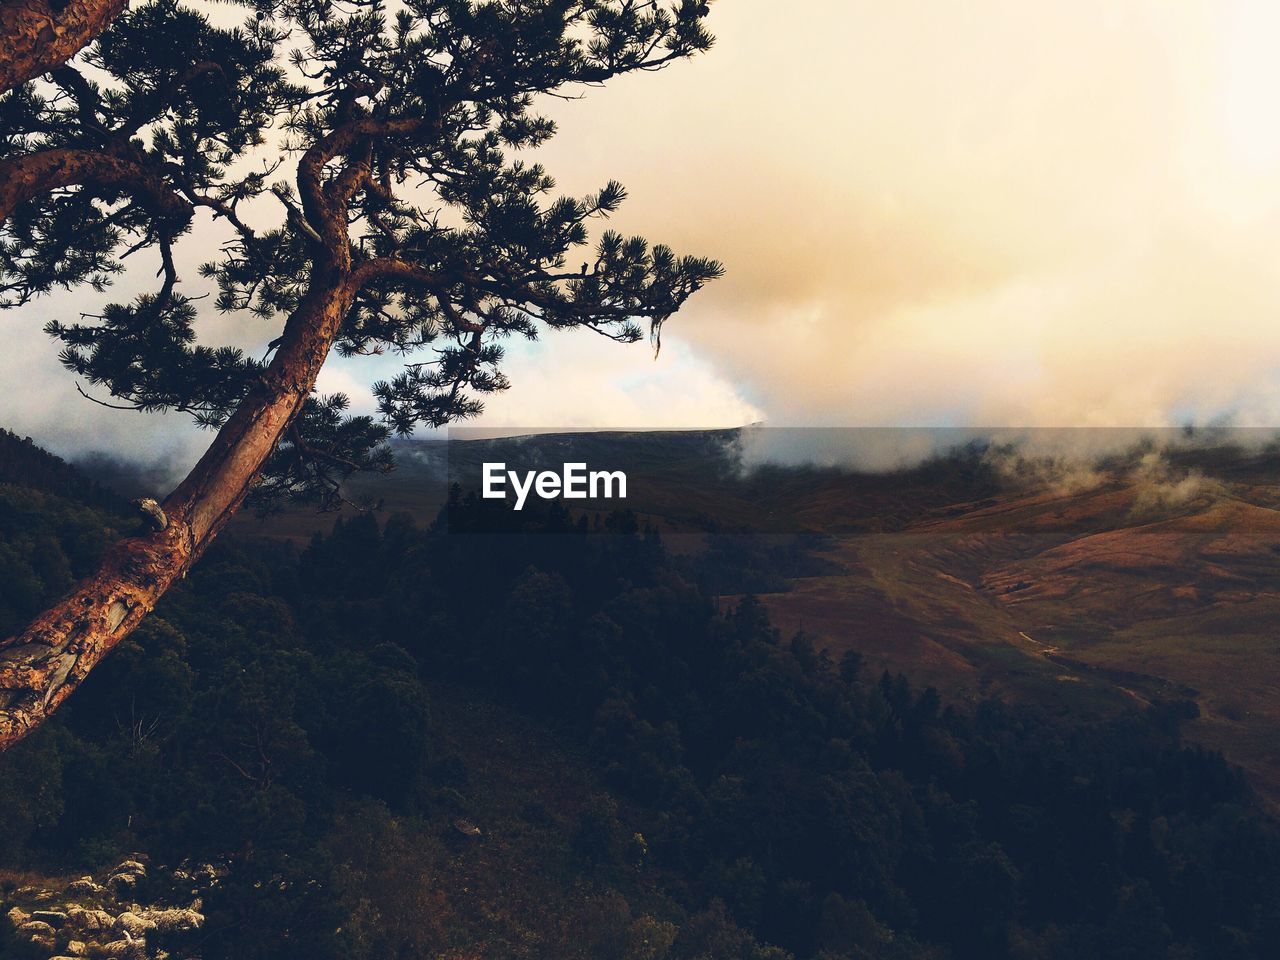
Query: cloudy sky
pixel 994 213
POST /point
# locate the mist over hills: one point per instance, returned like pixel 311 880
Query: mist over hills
pixel 1145 571
pixel 1081 569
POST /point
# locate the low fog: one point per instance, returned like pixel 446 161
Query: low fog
pixel 1010 214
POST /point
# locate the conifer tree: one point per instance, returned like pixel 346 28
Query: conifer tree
pixel 386 139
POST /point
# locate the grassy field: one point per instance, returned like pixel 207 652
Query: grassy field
pixel 1081 602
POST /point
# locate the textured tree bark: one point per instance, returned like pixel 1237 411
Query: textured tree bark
pixel 43 665
pixel 39 36
pixel 26 177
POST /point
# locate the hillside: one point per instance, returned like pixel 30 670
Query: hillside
pixel 23 463
pixel 1155 578
pixel 1101 587
pixel 169 761
pixel 534 735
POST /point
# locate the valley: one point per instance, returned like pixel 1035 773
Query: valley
pixel 1153 581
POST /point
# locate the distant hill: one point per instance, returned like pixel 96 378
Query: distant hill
pixel 1077 585
pixel 686 481
pixel 24 464
pixel 1141 576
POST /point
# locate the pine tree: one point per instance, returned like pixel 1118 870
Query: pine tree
pixel 406 223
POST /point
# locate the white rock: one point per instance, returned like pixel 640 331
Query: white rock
pixel 176 920
pixel 135 925
pixel 35 928
pixel 85 886
pixel 125 949
pixel 91 921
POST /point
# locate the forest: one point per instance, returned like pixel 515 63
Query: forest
pixel 530 735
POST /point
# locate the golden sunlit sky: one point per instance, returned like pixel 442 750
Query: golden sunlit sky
pixel 992 213
pixel 1061 212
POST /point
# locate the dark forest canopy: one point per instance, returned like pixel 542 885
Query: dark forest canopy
pixel 300 715
pixel 383 145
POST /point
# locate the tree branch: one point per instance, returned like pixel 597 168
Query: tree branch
pixel 151 107
pixel 26 177
pixel 40 36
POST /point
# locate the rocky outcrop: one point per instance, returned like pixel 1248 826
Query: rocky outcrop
pixel 84 887
pixel 104 917
pixel 91 921
pixel 37 932
pixel 173 920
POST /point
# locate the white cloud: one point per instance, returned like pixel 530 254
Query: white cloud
pixel 991 213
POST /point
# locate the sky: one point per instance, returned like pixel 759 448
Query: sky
pixel 996 213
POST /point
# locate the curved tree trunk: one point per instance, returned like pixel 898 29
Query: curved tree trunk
pixel 39 36
pixel 40 667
